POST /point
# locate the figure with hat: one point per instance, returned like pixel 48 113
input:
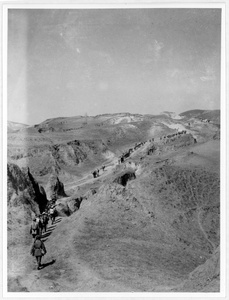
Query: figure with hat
pixel 38 250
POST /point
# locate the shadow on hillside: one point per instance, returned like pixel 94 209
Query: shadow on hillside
pixel 48 264
pixel 45 235
pixel 57 221
pixel 50 230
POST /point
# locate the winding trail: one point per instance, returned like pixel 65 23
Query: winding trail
pixel 85 278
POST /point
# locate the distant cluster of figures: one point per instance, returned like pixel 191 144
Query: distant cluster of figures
pixel 138 145
pixel 166 138
pixel 97 173
pixel 172 137
pixel 205 120
pixel 131 150
pixel 177 134
pixel 125 155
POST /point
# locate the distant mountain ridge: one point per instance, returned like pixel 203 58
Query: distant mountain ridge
pixel 126 117
pixel 14 126
pixel 212 115
pixel 122 117
pixel 172 115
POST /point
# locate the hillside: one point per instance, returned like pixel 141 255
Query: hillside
pixel 211 115
pixel 14 126
pixel 72 146
pixel 138 204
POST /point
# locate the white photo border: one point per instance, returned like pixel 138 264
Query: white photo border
pixel 224 266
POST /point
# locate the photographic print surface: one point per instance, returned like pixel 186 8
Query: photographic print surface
pixel 113 150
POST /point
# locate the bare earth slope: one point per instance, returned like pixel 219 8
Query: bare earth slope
pixel 148 224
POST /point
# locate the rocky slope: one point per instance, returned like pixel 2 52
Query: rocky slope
pixel 203 115
pixel 24 190
pixel 25 199
pixel 55 188
pixel 149 222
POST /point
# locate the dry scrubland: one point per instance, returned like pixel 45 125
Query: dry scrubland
pixel 149 224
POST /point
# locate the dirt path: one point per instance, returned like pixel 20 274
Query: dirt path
pixel 56 275
pixel 110 166
pixel 23 267
pixel 63 270
pixel 89 178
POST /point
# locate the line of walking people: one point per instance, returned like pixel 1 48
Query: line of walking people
pixel 38 227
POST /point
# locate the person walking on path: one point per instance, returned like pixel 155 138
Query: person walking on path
pixel 45 220
pixel 34 229
pixel 38 250
pixel 52 213
pixel 38 223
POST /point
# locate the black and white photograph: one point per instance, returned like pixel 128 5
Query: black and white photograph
pixel 114 149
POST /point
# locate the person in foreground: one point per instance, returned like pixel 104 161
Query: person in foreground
pixel 38 250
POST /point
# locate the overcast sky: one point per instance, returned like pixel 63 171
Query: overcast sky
pixel 72 62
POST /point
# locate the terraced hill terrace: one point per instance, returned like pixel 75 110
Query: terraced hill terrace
pixel 137 197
